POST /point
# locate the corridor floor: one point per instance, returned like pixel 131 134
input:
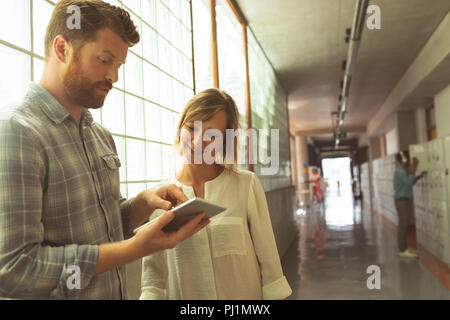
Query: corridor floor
pixel 338 241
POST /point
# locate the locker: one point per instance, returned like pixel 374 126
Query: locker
pixel 439 154
pixel 418 151
pixel 446 142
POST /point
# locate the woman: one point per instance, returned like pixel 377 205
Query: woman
pixel 235 256
pixel 317 190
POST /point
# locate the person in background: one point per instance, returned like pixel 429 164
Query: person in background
pixel 404 179
pixel 62 216
pixel 317 190
pixel 235 256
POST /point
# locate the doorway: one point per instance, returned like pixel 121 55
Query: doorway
pixel 336 171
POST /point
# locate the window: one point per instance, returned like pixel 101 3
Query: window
pixel 201 18
pixel 142 113
pixel 231 56
pixel 269 111
pixel 142 110
pixel 231 65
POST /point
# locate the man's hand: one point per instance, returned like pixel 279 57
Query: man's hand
pixel 148 240
pixel 420 176
pixel 164 197
pixel 414 164
pixel 152 239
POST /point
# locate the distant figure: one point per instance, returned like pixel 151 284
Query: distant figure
pixel 404 179
pixel 317 191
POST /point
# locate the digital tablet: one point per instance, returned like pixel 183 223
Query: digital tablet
pixel 186 211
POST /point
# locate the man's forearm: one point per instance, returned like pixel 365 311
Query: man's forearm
pixel 113 255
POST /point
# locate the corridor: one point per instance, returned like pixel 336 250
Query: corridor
pixel 338 240
pixel 108 105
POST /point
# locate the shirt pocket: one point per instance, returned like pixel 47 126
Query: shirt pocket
pixel 227 236
pixel 112 183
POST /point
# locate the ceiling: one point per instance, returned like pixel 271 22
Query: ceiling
pixel 304 40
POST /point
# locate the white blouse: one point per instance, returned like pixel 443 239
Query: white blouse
pixel 234 257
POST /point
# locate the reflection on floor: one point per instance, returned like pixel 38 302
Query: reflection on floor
pixel 338 241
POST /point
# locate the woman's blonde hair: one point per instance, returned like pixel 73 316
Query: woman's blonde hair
pixel 203 106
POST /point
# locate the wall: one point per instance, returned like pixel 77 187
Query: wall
pixel 421 125
pixel 402 132
pixel 363 140
pixel 392 145
pixel 268 111
pixel 374 150
pixel 282 208
pixel 301 149
pixel 294 161
pixel 442 109
pixel 427 73
pixel 383 146
pixel 406 127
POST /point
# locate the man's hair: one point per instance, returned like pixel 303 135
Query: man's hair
pixel 94 15
pixel 405 155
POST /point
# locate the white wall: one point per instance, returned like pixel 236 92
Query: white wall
pixel 363 140
pixel 301 149
pixel 406 129
pixel 392 142
pixel 374 148
pixel 421 125
pixel 442 109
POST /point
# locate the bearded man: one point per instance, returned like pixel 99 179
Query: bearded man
pixel 65 230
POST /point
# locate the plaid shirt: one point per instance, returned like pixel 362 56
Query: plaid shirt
pixel 59 199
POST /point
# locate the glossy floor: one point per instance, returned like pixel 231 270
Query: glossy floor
pixel 338 241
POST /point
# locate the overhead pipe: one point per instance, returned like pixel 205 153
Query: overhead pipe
pixel 354 41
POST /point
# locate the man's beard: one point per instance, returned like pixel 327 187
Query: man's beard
pixel 80 89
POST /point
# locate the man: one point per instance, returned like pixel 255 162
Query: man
pixel 404 179
pixel 62 218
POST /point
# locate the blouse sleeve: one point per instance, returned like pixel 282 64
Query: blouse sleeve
pixel 154 277
pixel 275 285
pixel 154 280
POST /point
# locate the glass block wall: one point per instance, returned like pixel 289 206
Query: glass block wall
pixel 142 110
pixel 269 111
